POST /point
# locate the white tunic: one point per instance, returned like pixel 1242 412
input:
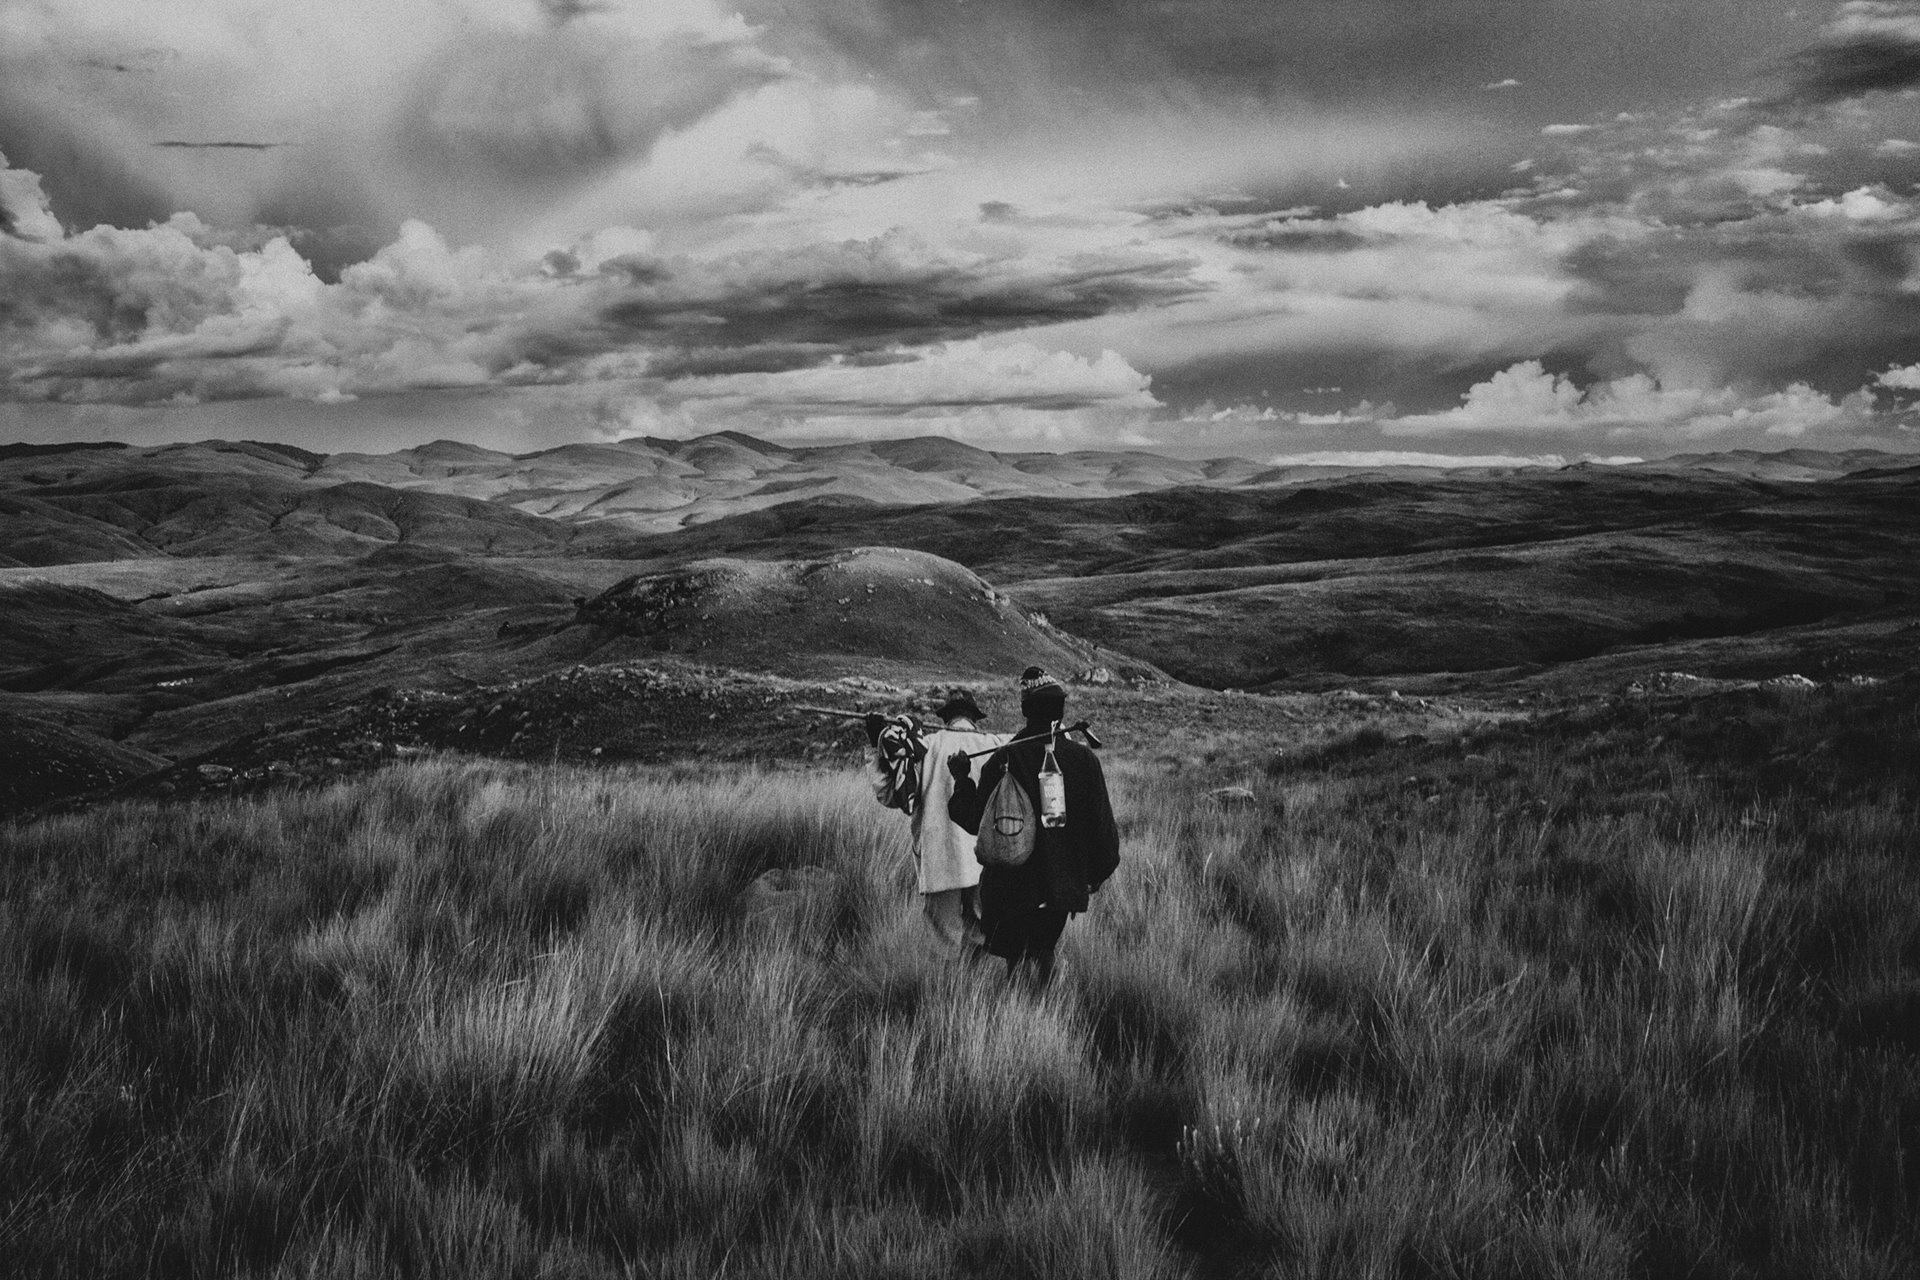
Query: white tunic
pixel 944 851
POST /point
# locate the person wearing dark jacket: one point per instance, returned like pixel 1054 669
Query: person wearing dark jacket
pixel 1024 909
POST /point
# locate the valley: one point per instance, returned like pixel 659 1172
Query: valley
pixel 241 605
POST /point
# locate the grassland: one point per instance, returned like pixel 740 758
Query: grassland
pixel 1630 990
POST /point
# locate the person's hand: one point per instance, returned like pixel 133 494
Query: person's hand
pixel 959 766
pixel 874 723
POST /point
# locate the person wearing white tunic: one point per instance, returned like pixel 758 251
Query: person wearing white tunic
pixel 948 872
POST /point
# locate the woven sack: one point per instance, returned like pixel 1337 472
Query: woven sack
pixel 1007 826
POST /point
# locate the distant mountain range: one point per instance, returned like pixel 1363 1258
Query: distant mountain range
pixel 66 504
pixel 1787 465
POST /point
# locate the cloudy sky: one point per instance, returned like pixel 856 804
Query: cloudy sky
pixel 1467 228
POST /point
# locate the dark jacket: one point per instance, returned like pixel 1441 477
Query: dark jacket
pixel 1069 863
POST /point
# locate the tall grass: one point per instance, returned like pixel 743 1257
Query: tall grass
pixel 1608 998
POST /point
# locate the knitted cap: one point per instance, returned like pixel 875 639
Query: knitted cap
pixel 1040 692
pixel 1034 678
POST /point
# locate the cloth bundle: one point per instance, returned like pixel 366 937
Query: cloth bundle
pixel 901 751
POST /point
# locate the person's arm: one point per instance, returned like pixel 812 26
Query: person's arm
pixel 1103 843
pixel 969 799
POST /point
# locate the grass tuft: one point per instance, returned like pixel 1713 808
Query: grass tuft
pixel 1599 997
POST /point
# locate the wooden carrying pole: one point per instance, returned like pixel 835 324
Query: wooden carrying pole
pixel 842 715
pixel 1080 727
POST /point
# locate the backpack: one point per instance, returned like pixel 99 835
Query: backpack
pixel 1007 826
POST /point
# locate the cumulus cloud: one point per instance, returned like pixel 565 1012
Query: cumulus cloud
pixel 1727 244
pixel 471 114
pixel 1529 399
pixel 24 211
pixel 1694 167
pixel 168 313
pixel 1900 378
pixel 1479 263
pixel 1807 289
pixel 1365 413
pixel 1862 204
pixel 1234 413
pixel 510 121
pixel 846 216
pixel 1742 320
pixel 1348 298
pixel 846 337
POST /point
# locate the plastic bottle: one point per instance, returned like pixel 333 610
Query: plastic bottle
pixel 1053 790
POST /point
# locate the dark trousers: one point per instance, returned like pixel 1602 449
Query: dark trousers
pixel 1023 935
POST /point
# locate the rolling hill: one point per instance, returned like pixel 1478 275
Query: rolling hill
pixel 1365 577
pixel 175 600
pixel 87 504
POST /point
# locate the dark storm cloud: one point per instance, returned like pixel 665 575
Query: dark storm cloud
pixel 73 287
pixel 140 360
pixel 667 203
pixel 1018 54
pixel 1869 47
pixel 1630 277
pixel 182 309
pixel 1819 293
pixel 860 296
pixel 1819 264
pixel 816 177
pixel 1858 67
pixel 180 145
pixel 499 108
pixel 1737 243
pixel 96 182
pixel 132 61
pixel 1296 236
pixel 464 113
pixel 770 358
pixel 565 11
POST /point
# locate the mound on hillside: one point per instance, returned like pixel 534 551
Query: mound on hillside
pixel 1371 578
pixel 880 604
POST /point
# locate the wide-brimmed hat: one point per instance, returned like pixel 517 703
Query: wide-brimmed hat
pixel 959 703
